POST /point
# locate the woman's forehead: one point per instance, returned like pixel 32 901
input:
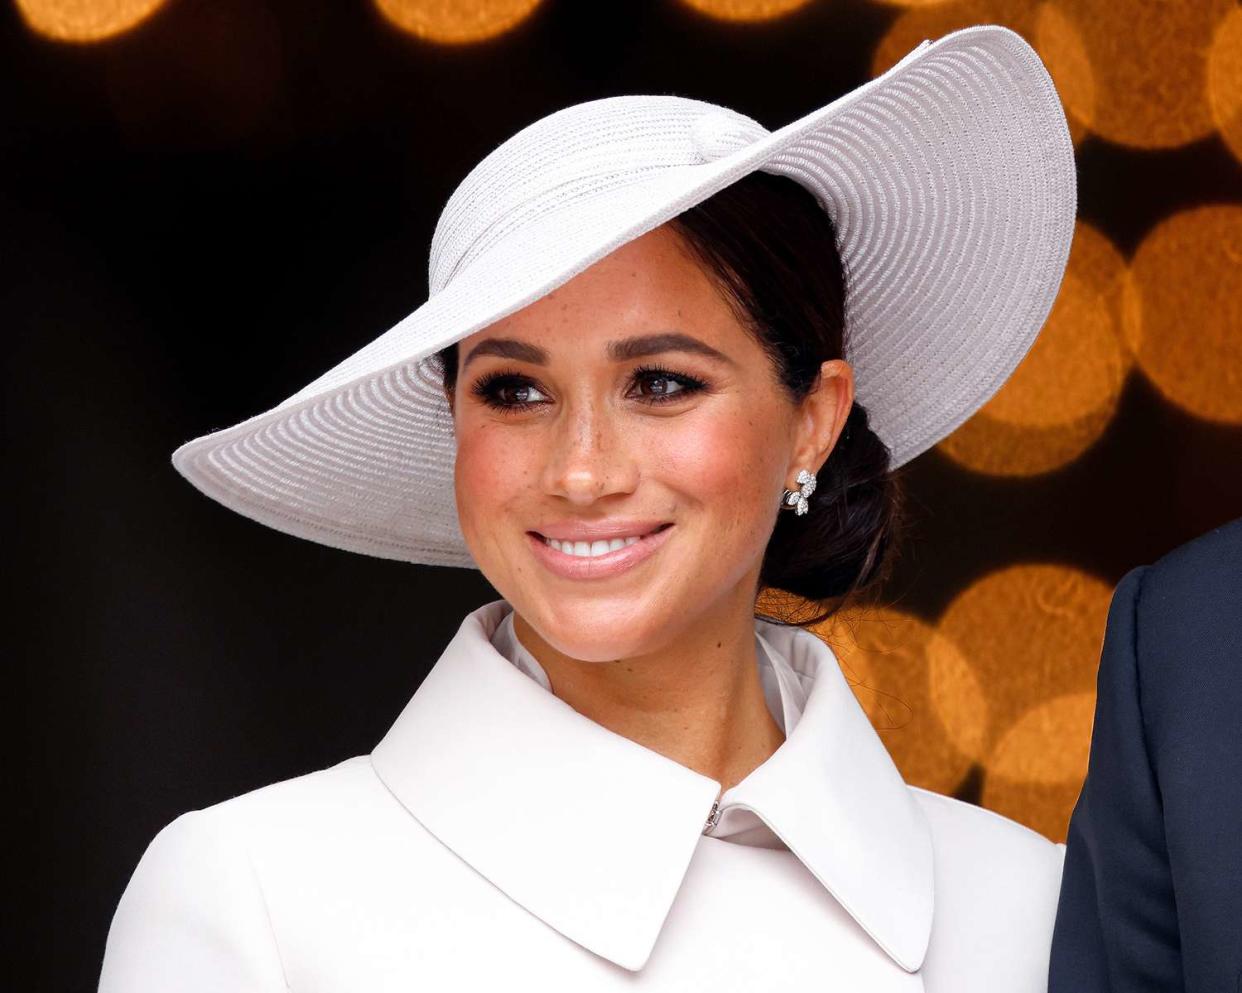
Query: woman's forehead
pixel 649 287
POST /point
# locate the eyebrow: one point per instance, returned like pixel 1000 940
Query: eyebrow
pixel 622 350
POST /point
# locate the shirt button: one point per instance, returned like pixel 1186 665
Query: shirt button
pixel 713 817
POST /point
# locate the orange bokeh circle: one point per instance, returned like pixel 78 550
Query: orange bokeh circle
pixel 1225 80
pixel 1064 392
pixel 886 656
pixel 745 10
pixel 1032 635
pixel 85 20
pixel 1134 72
pixel 1183 310
pixel 451 22
pixel 1030 632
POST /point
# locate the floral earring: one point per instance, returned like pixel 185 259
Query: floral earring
pixel 797 500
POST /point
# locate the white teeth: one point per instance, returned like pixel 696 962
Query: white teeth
pixel 590 549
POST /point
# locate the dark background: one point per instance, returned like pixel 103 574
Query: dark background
pixel 201 215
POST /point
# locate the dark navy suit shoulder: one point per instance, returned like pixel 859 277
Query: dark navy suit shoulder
pixel 1151 895
pixel 1189 636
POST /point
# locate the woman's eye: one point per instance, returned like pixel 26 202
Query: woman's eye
pixel 522 394
pixel 663 385
pixel 505 391
pixel 511 392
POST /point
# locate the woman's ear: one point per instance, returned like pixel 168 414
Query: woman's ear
pixel 822 415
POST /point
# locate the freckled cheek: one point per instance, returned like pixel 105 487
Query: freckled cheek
pixel 492 472
pixel 729 464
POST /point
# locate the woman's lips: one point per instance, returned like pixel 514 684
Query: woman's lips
pixel 603 566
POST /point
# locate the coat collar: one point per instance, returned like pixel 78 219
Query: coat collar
pixel 592 832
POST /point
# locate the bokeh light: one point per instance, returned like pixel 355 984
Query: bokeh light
pixel 1064 53
pixel 1183 310
pixel 885 654
pixel 745 10
pixel 1064 392
pixel 1135 72
pixel 1225 80
pixel 1021 754
pixel 456 22
pixel 1024 630
pixel 85 20
pixel 1032 783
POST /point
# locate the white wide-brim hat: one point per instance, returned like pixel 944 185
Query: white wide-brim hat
pixel 950 180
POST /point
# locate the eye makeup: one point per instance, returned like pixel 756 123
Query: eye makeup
pixel 493 388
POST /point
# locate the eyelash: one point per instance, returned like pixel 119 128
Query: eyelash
pixel 487 387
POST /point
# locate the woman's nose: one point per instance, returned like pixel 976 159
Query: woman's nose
pixel 587 456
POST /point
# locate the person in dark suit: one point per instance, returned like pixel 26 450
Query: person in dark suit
pixel 1151 896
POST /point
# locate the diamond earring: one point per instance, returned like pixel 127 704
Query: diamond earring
pixel 797 500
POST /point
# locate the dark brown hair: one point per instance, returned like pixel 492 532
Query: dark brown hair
pixel 772 251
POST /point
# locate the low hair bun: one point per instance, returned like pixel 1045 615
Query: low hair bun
pixel 844 544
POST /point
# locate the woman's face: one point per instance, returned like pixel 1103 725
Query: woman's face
pixel 627 408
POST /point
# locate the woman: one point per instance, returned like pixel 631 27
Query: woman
pixel 631 402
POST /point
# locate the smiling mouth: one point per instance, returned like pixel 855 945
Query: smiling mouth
pixel 600 546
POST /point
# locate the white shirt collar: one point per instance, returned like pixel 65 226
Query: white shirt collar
pixel 592 832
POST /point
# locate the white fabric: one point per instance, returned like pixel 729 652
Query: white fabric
pixel 951 182
pixel 497 839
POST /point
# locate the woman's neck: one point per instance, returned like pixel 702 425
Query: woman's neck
pixel 698 700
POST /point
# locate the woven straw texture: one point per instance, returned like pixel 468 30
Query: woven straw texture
pixel 950 179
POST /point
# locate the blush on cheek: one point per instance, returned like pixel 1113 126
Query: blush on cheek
pixel 728 465
pixel 490 475
pixel 716 454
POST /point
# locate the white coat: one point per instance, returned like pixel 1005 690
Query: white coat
pixel 497 839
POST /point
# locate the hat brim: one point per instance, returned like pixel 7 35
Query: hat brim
pixel 951 182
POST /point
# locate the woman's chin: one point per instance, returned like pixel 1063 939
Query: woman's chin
pixel 602 629
pixel 601 649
